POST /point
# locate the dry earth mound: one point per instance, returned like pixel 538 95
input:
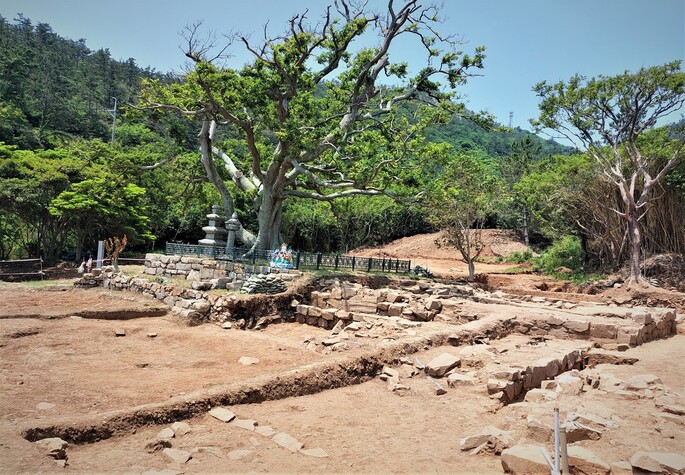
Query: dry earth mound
pixel 498 243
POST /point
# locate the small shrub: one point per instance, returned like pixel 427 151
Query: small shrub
pixel 562 257
pixel 520 257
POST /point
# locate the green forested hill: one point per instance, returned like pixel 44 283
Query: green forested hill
pixel 465 135
pixel 53 87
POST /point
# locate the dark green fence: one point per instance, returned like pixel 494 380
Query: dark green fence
pixel 303 260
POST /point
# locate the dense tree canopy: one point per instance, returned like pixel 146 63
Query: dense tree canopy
pixel 308 117
pixel 610 116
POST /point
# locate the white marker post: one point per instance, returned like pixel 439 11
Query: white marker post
pixel 101 255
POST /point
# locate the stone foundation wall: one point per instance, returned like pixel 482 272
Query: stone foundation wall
pixel 348 302
pixel 195 269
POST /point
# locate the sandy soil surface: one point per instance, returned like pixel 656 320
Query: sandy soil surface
pixel 62 365
pixel 431 251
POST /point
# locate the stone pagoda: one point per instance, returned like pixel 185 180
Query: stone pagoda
pixel 214 231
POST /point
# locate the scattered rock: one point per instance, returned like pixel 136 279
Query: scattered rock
pixel 45 406
pixel 152 335
pixel 248 424
pixel 266 431
pixel 238 454
pixel 119 332
pixel 223 414
pixel 180 428
pixel 457 379
pixel 658 462
pixel 332 341
pixel 390 372
pixel 287 441
pixel 473 441
pixel 248 360
pixel 54 447
pixel 441 364
pixel 157 445
pixel 317 452
pixel 167 433
pixel 178 456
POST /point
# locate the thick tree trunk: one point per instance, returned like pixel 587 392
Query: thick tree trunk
pixel 269 217
pixel 635 245
pixel 472 271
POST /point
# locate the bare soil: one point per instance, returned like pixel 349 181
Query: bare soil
pixel 63 369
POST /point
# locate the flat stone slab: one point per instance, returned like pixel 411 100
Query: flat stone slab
pixel 266 431
pixel 287 441
pixel 248 424
pixel 317 452
pixel 658 462
pixel 223 414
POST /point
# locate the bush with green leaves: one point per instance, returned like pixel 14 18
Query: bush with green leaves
pixel 520 257
pixel 564 253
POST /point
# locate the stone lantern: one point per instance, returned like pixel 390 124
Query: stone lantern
pixel 232 225
pixel 214 230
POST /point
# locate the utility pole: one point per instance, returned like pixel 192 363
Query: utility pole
pixel 511 118
pixel 113 113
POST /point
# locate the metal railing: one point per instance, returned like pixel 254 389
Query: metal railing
pixel 302 260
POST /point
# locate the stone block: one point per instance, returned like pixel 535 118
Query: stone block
pixel 577 326
pixel 223 414
pixel 441 364
pixel 603 330
pixel 395 309
pixel 585 461
pixel 524 459
pixel 457 379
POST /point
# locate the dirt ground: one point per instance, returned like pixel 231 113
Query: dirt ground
pixel 62 365
pixel 429 251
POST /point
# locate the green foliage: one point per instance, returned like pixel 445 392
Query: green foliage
pixel 461 198
pixel 519 257
pixel 562 254
pixel 52 87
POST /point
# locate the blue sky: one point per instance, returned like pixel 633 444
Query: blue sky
pixel 527 41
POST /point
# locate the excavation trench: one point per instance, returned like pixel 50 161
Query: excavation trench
pixel 310 379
